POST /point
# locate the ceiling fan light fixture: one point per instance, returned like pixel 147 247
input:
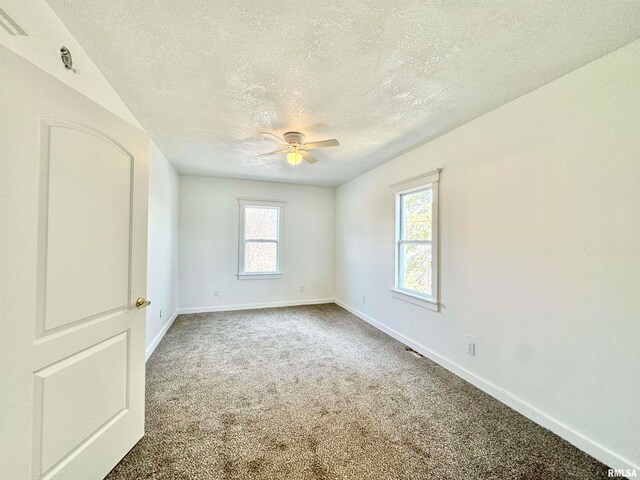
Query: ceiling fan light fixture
pixel 294 158
pixel 297 150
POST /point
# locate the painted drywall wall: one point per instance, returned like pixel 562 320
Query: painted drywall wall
pixel 45 34
pixel 162 248
pixel 208 245
pixel 41 46
pixel 540 257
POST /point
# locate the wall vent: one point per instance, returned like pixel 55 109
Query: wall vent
pixel 413 352
pixel 8 24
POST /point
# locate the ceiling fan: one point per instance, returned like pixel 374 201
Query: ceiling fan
pixel 296 149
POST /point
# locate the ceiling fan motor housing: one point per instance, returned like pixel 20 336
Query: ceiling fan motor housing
pixel 294 138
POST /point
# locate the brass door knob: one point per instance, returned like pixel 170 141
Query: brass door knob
pixel 141 302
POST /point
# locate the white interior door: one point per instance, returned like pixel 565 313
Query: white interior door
pixel 74 226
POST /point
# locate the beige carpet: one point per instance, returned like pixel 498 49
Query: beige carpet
pixel 315 393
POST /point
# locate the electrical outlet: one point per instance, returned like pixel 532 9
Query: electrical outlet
pixel 364 299
pixel 471 346
pixel 302 289
pixel 216 293
pixel 160 313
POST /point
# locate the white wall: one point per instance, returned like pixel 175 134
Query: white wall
pixel 209 244
pixel 162 248
pixel 540 254
pixel 46 34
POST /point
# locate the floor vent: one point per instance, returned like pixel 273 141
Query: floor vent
pixel 413 352
pixel 7 23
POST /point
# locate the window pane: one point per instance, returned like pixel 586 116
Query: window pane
pixel 415 268
pixel 417 208
pixel 261 257
pixel 260 223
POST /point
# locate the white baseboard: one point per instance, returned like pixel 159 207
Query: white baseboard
pixel 253 306
pixel 152 346
pixel 593 448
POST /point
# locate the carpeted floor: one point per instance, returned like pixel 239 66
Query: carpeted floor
pixel 315 393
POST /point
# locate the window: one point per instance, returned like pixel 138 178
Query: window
pixel 417 245
pixel 260 240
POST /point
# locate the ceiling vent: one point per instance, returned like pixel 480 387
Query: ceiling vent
pixel 7 23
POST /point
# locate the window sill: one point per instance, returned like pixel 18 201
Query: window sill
pixel 415 299
pixel 259 276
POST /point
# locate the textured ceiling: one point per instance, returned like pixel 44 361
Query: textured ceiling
pixel 204 78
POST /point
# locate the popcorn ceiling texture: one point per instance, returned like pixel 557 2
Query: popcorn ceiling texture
pixel 315 393
pixel 205 77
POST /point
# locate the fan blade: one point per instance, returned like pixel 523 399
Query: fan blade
pixel 307 156
pixel 322 144
pixel 277 152
pixel 275 138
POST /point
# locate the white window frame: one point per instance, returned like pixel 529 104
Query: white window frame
pixel 257 203
pixel 415 184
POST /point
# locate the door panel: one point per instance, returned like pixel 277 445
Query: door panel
pixel 98 378
pixel 72 262
pixel 88 199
